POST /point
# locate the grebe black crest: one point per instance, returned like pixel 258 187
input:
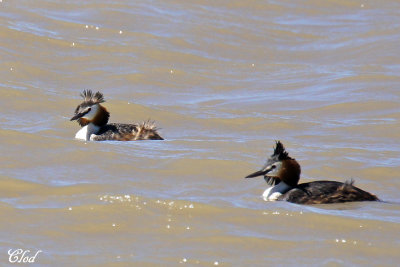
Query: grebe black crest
pixel 282 174
pixel 93 118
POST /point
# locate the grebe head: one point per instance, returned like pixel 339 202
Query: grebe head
pixel 90 110
pixel 279 168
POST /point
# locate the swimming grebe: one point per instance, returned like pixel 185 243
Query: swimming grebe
pixel 93 118
pixel 282 173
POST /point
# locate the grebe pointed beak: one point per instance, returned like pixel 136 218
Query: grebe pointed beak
pixel 257 173
pixel 263 171
pixel 77 116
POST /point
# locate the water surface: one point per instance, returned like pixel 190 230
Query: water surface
pixel 223 80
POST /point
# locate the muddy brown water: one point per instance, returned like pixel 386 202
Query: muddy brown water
pixel 223 80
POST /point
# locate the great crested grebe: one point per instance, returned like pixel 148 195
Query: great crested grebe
pixel 93 118
pixel 282 173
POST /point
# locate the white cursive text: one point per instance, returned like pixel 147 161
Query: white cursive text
pixel 20 255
